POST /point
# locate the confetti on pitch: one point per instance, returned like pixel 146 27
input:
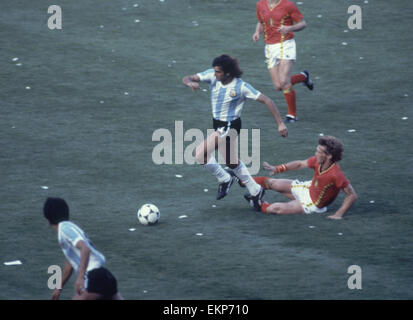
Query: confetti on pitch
pixel 199 234
pixel 137 21
pixel 205 190
pixel 179 176
pixel 406 95
pixel 311 227
pixel 28 88
pixel 351 130
pixel 405 118
pixel 45 187
pixel 132 229
pixel 19 64
pixel 195 23
pixel 321 134
pixel 183 216
pixel 214 206
pixel 361 58
pixel 345 31
pixel 340 234
pixel 319 16
pixel 126 93
pixel 299 3
pixel 15 59
pixel 372 201
pixel 101 102
pixel 344 43
pixel 136 5
pixel 13 263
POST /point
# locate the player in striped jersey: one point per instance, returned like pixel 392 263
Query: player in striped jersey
pixel 228 95
pixel 93 281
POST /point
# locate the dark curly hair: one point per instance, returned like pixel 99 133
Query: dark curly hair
pixel 228 65
pixel 334 147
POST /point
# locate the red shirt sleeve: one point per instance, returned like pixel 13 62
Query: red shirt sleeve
pixel 341 181
pixel 258 13
pixel 295 14
pixel 312 162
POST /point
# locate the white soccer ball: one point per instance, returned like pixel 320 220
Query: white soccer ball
pixel 148 214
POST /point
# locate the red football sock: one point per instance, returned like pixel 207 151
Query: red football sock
pixel 289 95
pixel 262 181
pixel 264 206
pixel 297 78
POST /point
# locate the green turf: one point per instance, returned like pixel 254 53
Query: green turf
pixel 77 132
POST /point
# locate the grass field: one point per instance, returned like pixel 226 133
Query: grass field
pixel 78 116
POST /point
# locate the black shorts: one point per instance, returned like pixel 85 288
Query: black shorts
pixel 234 124
pixel 102 281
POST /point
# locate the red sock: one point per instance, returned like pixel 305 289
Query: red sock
pixel 262 181
pixel 297 78
pixel 289 95
pixel 264 206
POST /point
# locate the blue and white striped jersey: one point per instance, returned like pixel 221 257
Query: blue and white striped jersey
pixel 227 100
pixel 68 235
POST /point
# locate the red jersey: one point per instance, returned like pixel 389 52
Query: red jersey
pixel 285 13
pixel 326 185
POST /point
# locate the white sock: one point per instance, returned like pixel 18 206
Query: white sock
pixel 213 167
pixel 244 175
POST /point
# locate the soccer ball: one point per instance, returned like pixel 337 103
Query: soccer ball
pixel 148 214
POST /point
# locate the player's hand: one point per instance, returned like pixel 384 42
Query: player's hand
pixel 282 129
pixel 334 217
pixel 283 30
pixel 194 85
pixel 272 169
pixel 79 285
pixel 256 36
pixel 56 294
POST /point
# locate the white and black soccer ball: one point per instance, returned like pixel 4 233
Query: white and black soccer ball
pixel 148 214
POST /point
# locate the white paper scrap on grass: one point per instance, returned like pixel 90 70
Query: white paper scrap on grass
pixel 340 234
pixel 179 176
pixel 15 59
pixel 183 216
pixel 45 187
pixel 132 229
pixel 13 263
pixel 351 130
pixel 405 118
pixel 199 234
pixel 311 227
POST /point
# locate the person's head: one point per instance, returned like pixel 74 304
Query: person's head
pixel 329 148
pixel 55 210
pixel 226 68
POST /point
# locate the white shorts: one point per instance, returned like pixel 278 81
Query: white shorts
pixel 301 192
pixel 280 51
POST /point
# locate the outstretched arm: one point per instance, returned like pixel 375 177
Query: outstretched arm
pixel 293 165
pixel 191 81
pixel 348 201
pixel 282 129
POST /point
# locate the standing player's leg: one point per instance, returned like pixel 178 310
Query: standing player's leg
pixel 204 156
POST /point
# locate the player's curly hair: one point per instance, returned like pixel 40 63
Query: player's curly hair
pixel 56 210
pixel 333 147
pixel 228 65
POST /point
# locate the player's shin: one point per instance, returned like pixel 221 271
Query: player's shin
pixel 213 167
pixel 243 174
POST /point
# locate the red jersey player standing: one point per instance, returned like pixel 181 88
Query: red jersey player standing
pixel 278 19
pixel 317 194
